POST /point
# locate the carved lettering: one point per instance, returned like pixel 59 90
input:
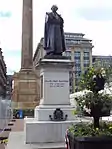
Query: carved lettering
pixel 56 83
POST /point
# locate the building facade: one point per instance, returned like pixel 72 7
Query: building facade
pixel 5 108
pixel 39 53
pixel 9 87
pixel 3 76
pixel 78 49
pixel 102 60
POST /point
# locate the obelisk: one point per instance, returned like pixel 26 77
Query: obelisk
pixel 27 36
pixel 26 88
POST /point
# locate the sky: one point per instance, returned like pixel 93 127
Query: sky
pixel 91 17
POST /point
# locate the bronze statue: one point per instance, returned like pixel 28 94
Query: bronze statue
pixel 54 41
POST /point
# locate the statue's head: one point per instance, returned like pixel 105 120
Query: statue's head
pixel 54 8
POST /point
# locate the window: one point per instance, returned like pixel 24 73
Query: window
pixel 66 35
pixel 86 65
pixel 7 82
pixel 77 68
pixel 76 81
pixel 77 73
pixel 86 58
pixel 77 61
pixel 77 57
pixel 86 62
pixel 77 54
pixel 86 54
pixel 77 65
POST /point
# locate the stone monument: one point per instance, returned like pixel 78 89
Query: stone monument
pixel 54 113
pixel 26 87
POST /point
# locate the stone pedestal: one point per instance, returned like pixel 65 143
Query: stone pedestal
pixel 54 76
pixel 42 113
pixel 26 94
pixel 54 113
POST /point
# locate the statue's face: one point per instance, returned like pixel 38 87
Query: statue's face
pixel 54 8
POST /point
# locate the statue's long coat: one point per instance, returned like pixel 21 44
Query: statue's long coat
pixel 54 40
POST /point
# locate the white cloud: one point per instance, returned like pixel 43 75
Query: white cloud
pixel 93 3
pixel 10 28
pixel 100 33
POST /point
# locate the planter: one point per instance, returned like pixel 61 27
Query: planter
pixel 89 142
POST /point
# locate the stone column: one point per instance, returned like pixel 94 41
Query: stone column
pixel 27 36
pixel 90 56
pixel 82 60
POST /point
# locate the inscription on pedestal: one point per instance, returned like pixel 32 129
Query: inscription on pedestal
pixel 56 83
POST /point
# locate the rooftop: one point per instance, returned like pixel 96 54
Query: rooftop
pixel 74 34
pixel 102 56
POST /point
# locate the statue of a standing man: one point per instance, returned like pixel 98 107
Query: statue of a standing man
pixel 54 41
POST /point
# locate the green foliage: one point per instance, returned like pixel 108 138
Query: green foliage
pixel 95 102
pixel 26 112
pixel 90 99
pixel 87 82
pixel 87 79
pixel 107 66
pixel 88 130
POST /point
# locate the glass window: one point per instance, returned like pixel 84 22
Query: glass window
pixel 77 53
pixel 8 82
pixel 86 54
pixel 76 81
pixel 86 58
pixel 77 61
pixel 86 62
pixel 77 69
pixel 77 57
pixel 77 73
pixel 66 35
pixel 77 64
pixel 86 65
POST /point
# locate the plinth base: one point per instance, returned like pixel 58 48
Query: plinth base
pixel 47 131
pixel 42 112
pixel 26 89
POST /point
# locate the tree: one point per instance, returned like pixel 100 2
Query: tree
pixel 95 103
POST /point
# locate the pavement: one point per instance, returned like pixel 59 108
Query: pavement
pixel 18 126
pixel 17 133
pixel 16 141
